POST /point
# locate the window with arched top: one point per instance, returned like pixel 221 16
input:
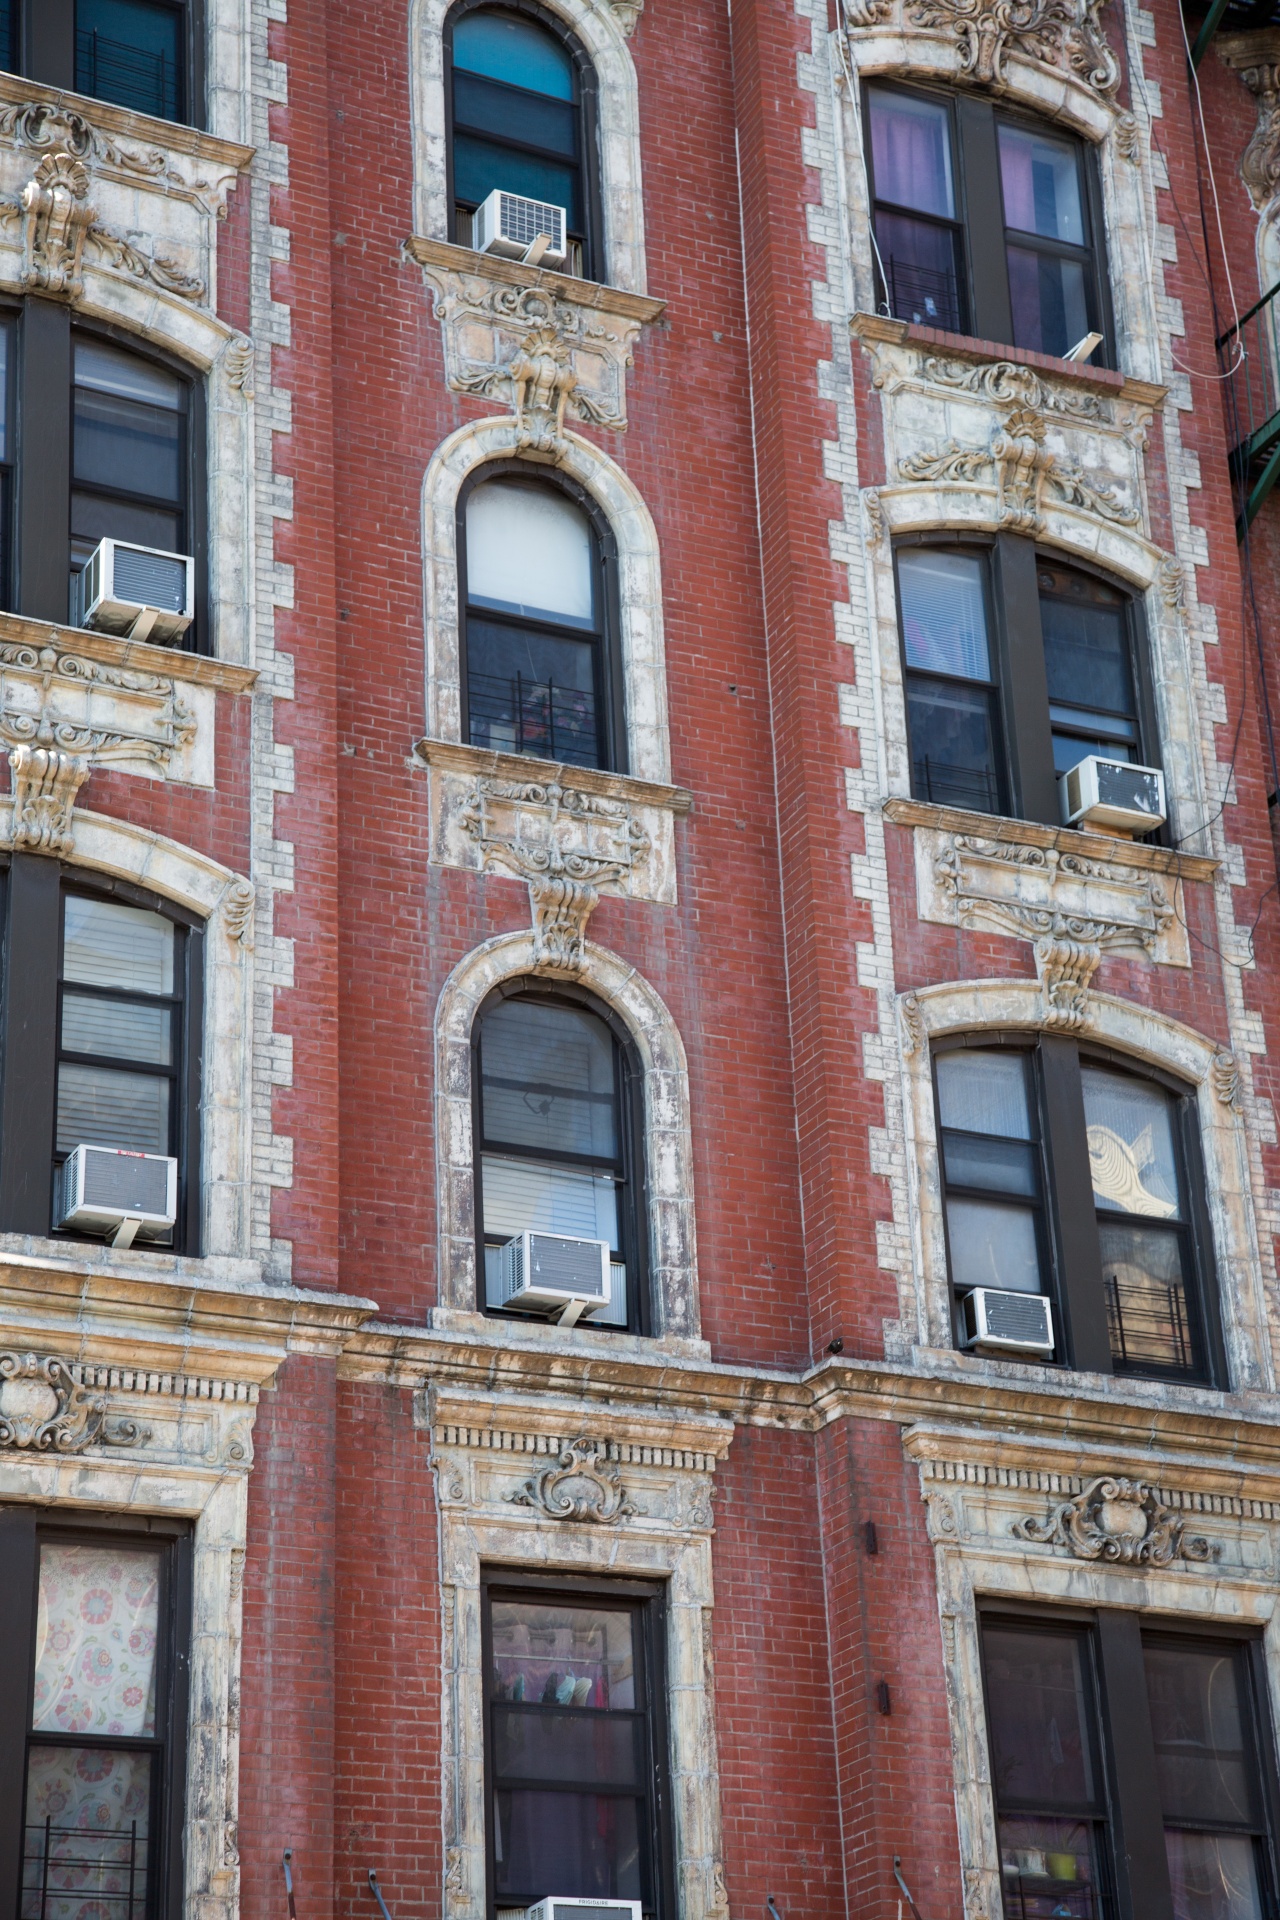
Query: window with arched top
pixel 559 1126
pixel 986 222
pixel 522 117
pixel 1072 1176
pixel 540 673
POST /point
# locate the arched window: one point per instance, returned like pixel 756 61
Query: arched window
pixel 522 105
pixel 539 676
pixel 1017 666
pixel 558 1126
pixel 941 165
pixel 1072 1176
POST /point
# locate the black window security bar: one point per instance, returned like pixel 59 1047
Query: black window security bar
pixel 925 295
pixel 1249 354
pixel 948 785
pixel 111 70
pixel 62 1864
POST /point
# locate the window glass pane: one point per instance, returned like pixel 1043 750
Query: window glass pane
pixel 480 165
pixel 532 693
pixel 505 47
pixel 96 1623
pixel 1039 1700
pixel 524 117
pixel 1213 1876
pixel 102 1108
pixel 985 1093
pixel 1000 1165
pixel 127 447
pixel 538 1646
pixel 533 1743
pixel 1086 642
pixel 108 369
pixel 548 1079
pixel 1142 1273
pixel 1204 1766
pixel 582 1844
pixel 129 51
pixel 1049 301
pixel 529 1196
pixel 993 1246
pixel 530 550
pixel 6 343
pixel 105 944
pixel 918 259
pixel 1049 1869
pixel 953 745
pixel 944 613
pixel 98 1805
pixel 1040 178
pixel 117 1028
pixel 911 152
pixel 1131 1150
pixel 7 9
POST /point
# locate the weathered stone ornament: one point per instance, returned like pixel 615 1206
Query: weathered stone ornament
pixel 584 1484
pixel 57 216
pixel 1062 34
pixel 45 785
pixel 1120 1521
pixel 43 1406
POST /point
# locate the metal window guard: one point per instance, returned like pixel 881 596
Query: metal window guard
pixel 1249 354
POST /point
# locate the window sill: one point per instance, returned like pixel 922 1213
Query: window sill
pixel 142 129
pixel 1136 854
pixel 487 1332
pixel 135 656
pixel 481 761
pixel 443 254
pixel 879 327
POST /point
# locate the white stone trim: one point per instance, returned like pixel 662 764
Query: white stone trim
pixel 641 642
pixel 600 32
pixel 668 1140
pixel 970 1006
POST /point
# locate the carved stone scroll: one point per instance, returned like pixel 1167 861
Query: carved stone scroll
pixel 1063 35
pixel 1119 1521
pixel 43 1406
pixel 45 785
pixel 57 216
pixel 584 1484
pixel 1021 467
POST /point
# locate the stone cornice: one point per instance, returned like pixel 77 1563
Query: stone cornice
pixel 135 655
pixel 511 273
pixel 479 762
pixel 958 346
pixel 137 128
pixel 1027 833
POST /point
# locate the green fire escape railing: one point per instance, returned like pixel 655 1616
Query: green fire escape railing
pixel 1249 355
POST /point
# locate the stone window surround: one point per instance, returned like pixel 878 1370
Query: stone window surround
pixel 667 1147
pixel 641 642
pixel 224 900
pixel 880 50
pixel 600 31
pixel 1122 552
pixel 970 1006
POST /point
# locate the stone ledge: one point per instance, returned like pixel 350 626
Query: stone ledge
pixel 511 273
pixel 878 326
pixel 143 128
pixel 1029 833
pixel 139 656
pixel 479 761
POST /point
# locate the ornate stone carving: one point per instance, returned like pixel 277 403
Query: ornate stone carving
pixel 237 359
pixel 565 843
pixel 627 12
pixel 1226 1080
pixel 1173 584
pixel 43 127
pixel 876 527
pixel 45 785
pixel 912 1022
pixel 584 1484
pixel 1021 467
pixel 237 911
pixel 1256 58
pixel 532 346
pixel 44 1407
pixel 1006 384
pixel 57 217
pixel 1117 1520
pixel 1038 892
pixel 157 268
pixel 1065 968
pixel 1064 35
pixel 90 710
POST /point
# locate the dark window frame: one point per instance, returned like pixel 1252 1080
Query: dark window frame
pixel 982 267
pixel 1135 1862
pixel 649 1599
pixel 611 720
pixel 1024 730
pixel 46 51
pixel 22 1530
pixel 1073 1275
pixel 591 241
pixel 30 1003
pixel 633 1196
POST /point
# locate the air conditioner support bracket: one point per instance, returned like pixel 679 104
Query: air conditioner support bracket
pixel 571 1313
pixel 126 1233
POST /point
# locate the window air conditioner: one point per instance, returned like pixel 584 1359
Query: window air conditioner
pixel 107 1190
pixel 556 1908
pixel 1011 1322
pixel 509 225
pixel 545 1271
pixel 141 592
pixel 1112 793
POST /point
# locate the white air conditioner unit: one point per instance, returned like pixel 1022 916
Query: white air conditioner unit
pixel 510 225
pixel 107 1190
pixel 1011 1322
pixel 555 1907
pixel 1112 793
pixel 542 1272
pixel 141 592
